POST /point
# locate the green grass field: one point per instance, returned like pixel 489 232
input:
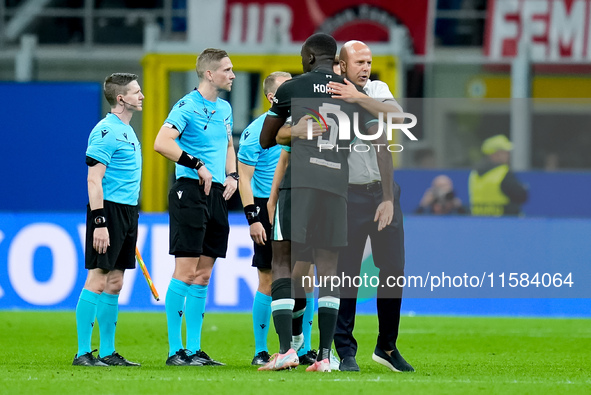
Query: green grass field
pixel 451 355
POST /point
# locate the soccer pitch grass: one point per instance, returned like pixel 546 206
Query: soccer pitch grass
pixel 450 354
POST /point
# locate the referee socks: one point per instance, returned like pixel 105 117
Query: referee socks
pixel 195 311
pixel 175 308
pixel 107 311
pixel 307 324
pixel 261 316
pixel 85 315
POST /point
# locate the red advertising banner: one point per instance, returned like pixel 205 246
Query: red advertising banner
pixel 555 29
pixel 289 21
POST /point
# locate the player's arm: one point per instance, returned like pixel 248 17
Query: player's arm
pixel 231 182
pixel 270 130
pixel 100 237
pixel 277 177
pixel 385 210
pixel 257 231
pixel 349 92
pixel 287 133
pixel 166 146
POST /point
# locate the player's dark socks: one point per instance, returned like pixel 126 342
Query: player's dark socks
pixel 296 323
pixel 298 316
pixel 323 353
pixel 328 310
pixel 282 310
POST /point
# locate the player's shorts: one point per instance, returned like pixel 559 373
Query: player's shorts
pixel 263 255
pixel 198 223
pixel 316 218
pixel 302 253
pixel 122 224
pixel 282 218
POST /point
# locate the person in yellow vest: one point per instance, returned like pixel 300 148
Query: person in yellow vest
pixel 494 188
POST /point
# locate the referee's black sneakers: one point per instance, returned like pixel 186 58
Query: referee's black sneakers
pixel 261 358
pixel 308 358
pixel 205 359
pixel 181 358
pixel 394 362
pixel 117 360
pixel 88 360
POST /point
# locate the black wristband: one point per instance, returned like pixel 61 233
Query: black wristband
pixel 252 214
pixel 190 161
pixel 98 218
pixel 234 175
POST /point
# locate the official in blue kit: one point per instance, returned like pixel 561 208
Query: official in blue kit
pixel 256 168
pixel 114 162
pixel 197 135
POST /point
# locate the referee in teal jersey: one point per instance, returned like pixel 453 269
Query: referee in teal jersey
pixel 114 160
pixel 197 135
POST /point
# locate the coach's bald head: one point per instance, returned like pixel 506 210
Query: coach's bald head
pixel 355 59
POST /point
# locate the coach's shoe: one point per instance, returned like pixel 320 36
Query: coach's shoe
pixel 117 360
pixel 201 357
pixel 261 358
pixel 87 360
pixel 349 364
pixel 319 366
pixel 308 358
pixel 297 342
pixel 394 362
pixel 180 358
pixel 282 361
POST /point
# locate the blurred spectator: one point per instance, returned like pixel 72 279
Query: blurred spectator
pixel 494 188
pixel 440 198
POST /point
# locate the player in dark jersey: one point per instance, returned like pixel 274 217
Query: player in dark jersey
pixel 311 208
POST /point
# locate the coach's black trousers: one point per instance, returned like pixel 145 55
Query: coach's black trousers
pixel 388 256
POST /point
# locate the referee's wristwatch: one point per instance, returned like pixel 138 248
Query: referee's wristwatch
pixel 100 221
pixel 234 175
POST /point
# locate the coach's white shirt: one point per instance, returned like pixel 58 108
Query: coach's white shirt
pixel 363 166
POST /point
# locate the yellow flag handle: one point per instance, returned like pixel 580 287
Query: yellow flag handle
pixel 146 274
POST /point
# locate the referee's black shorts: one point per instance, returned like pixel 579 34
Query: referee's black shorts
pixel 198 223
pixel 263 255
pixel 122 223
